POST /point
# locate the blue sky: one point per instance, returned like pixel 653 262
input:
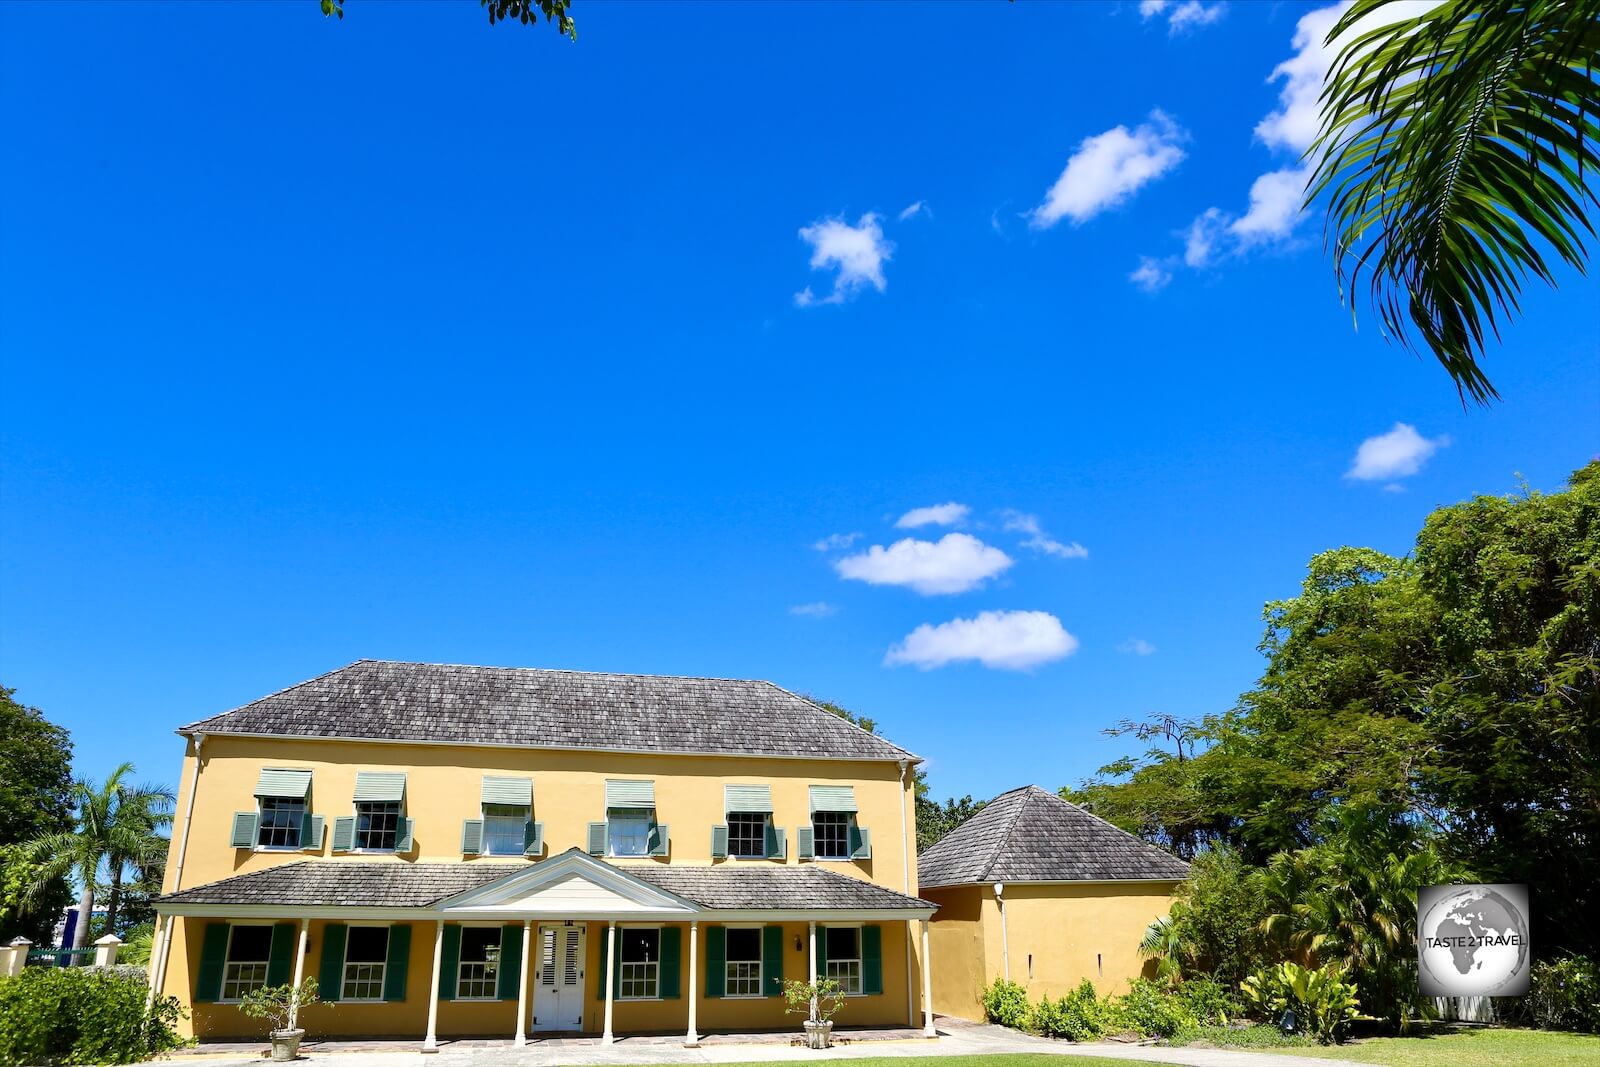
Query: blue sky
pixel 405 337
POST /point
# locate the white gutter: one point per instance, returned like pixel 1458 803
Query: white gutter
pixel 905 887
pixel 159 958
pixel 1005 943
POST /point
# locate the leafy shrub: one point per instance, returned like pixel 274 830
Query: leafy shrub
pixel 77 1015
pixel 1006 1003
pixel 1565 995
pixel 1078 1016
pixel 1207 1001
pixel 1323 1002
pixel 1150 1010
pixel 1259 1036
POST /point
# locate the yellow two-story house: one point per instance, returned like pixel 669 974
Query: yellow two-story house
pixel 477 851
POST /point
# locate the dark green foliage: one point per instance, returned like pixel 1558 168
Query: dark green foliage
pixel 1149 1009
pixel 35 786
pixel 1217 917
pixel 1458 151
pixel 1078 1016
pixel 526 12
pixel 52 1015
pixel 1207 1001
pixel 1261 1035
pixel 1006 1003
pixel 1565 996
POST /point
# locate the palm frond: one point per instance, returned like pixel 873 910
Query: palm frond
pixel 1458 152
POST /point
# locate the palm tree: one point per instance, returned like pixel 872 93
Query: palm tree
pixel 115 824
pixel 1458 149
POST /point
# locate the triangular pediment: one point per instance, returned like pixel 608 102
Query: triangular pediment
pixel 572 885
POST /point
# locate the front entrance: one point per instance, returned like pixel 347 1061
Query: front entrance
pixel 558 982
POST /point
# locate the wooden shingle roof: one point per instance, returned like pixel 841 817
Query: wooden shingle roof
pixel 1030 835
pixel 519 707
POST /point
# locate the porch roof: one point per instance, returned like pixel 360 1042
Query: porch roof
pixel 432 887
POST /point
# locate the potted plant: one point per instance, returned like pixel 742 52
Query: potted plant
pixel 281 1005
pixel 820 1001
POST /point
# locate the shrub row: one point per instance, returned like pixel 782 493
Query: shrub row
pixel 1147 1009
pixel 81 1015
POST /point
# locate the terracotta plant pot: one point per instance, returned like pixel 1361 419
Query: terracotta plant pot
pixel 286 1045
pixel 818 1035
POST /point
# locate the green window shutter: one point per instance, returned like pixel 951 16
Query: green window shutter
pixel 659 839
pixel 403 841
pixel 777 843
pixel 397 962
pixel 671 962
pixel 860 842
pixel 380 787
pixel 280 958
pixel 344 833
pixel 833 798
pixel 213 957
pixel 518 792
pixel 533 838
pixel 772 961
pixel 471 837
pixel 597 839
pixel 872 959
pixel 330 976
pixel 600 975
pixel 510 961
pixel 748 798
pixel 630 794
pixel 311 832
pixel 716 960
pixel 822 953
pixel 244 830
pixel 719 842
pixel 804 838
pixel 449 962
pixel 294 784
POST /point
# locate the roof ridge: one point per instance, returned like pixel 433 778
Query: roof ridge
pixel 551 670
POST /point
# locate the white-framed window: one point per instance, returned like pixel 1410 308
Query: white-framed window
pixel 377 825
pixel 245 969
pixel 366 955
pixel 640 962
pixel 280 822
pixel 478 972
pixel 831 834
pixel 747 834
pixel 843 962
pixel 505 828
pixel 743 944
pixel 628 831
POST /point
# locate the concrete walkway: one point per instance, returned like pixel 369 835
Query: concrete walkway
pixel 956 1038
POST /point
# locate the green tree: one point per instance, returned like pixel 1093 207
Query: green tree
pixel 1457 152
pixel 35 799
pixel 114 824
pixel 524 11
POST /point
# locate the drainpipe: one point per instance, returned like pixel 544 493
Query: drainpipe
pixel 159 959
pixel 905 886
pixel 1005 944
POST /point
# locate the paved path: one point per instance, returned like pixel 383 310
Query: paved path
pixel 956 1038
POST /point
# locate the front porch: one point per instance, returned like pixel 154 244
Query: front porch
pixel 568 949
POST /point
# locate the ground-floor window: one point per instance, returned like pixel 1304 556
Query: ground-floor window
pixel 366 952
pixel 478 973
pixel 844 957
pixel 249 948
pixel 640 975
pixel 744 962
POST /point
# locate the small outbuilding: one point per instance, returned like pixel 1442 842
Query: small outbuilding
pixel 1037 890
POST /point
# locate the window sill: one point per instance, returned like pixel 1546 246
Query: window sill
pixel 282 849
pixel 477 1000
pixel 744 996
pixel 637 1000
pixel 360 1000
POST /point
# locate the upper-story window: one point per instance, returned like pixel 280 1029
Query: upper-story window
pixel 380 821
pixel 507 815
pixel 631 828
pixel 748 833
pixel 281 821
pixel 835 833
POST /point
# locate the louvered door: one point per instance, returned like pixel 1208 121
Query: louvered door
pixel 558 993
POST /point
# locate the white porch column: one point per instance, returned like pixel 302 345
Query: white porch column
pixel 611 985
pixel 522 984
pixel 155 976
pixel 692 1038
pixel 431 1042
pixel 811 975
pixel 927 986
pixel 300 972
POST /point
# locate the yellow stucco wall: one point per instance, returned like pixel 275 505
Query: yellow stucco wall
pixel 408 1018
pixel 1057 935
pixel 443 788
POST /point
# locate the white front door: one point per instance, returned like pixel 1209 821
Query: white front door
pixel 558 989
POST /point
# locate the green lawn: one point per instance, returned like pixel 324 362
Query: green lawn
pixel 1468 1048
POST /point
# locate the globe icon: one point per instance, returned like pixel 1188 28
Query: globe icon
pixel 1473 942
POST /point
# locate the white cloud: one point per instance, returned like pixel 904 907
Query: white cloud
pixel 1275 200
pixel 836 541
pixel 1038 540
pixel 1399 453
pixel 1148 8
pixel 1002 640
pixel 858 252
pixel 1182 17
pixel 950 514
pixel 954 564
pixel 1110 167
pixel 1200 239
pixel 912 211
pixel 816 610
pixel 1152 275
pixel 1137 646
